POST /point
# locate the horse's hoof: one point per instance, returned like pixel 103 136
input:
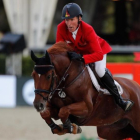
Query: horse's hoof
pixel 76 129
pixel 58 130
pixel 61 131
pixel 79 130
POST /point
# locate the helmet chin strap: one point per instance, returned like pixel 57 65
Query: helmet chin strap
pixel 78 22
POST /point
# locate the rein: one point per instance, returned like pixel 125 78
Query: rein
pixel 51 91
pixel 63 79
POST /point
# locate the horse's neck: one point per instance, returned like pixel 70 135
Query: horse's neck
pixel 60 62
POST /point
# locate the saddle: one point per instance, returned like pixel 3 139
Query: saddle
pixel 97 82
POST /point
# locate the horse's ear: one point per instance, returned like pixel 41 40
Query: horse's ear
pixel 48 58
pixel 34 58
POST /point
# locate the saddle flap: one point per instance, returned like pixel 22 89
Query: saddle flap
pixel 98 86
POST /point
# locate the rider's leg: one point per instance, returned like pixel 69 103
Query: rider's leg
pixel 107 80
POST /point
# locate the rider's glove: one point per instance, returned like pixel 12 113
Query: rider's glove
pixel 74 55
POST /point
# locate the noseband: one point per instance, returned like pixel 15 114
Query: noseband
pixel 51 91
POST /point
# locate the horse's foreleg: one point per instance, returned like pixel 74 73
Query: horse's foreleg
pixel 75 109
pixel 46 115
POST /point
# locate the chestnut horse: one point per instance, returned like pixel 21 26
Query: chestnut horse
pixel 64 91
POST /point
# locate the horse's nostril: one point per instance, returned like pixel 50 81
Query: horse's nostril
pixel 41 107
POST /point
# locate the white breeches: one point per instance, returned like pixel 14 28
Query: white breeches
pixel 100 66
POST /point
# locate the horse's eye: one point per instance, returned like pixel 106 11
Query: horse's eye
pixel 48 77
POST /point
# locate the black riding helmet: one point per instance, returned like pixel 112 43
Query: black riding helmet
pixel 71 10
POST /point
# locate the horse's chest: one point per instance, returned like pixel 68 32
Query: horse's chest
pixel 60 102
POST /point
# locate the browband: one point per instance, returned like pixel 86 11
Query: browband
pixel 42 69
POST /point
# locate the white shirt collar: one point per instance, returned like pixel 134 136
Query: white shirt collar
pixel 75 33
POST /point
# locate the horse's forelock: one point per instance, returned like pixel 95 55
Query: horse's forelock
pixel 60 47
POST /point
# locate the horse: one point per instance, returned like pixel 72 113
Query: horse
pixel 63 90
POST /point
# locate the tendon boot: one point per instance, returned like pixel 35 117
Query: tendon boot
pixel 109 84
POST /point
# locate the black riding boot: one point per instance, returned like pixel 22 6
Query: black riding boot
pixel 109 84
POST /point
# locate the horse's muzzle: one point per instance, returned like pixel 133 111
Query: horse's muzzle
pixel 39 106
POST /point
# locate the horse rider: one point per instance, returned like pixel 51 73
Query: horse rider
pixel 88 47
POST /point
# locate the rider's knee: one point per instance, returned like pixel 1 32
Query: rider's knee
pixel 100 70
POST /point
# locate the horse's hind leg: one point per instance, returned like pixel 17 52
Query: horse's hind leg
pixel 132 132
pixel 109 133
pixel 76 109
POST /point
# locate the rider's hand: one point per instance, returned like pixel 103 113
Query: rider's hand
pixel 74 55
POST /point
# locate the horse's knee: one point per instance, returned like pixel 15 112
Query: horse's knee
pixel 46 114
pixel 64 112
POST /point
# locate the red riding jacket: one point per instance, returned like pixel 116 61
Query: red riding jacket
pixel 87 42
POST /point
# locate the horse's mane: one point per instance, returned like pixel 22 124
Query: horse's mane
pixel 59 48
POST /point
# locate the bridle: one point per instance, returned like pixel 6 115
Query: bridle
pixel 51 91
pixel 39 91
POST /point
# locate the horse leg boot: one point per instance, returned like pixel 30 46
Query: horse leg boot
pixel 56 129
pixel 69 127
pixel 108 82
pixel 78 109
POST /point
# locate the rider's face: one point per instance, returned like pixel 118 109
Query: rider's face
pixel 72 23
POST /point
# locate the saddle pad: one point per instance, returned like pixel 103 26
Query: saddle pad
pixel 97 86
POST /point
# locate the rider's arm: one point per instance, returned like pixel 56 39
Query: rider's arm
pixel 95 48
